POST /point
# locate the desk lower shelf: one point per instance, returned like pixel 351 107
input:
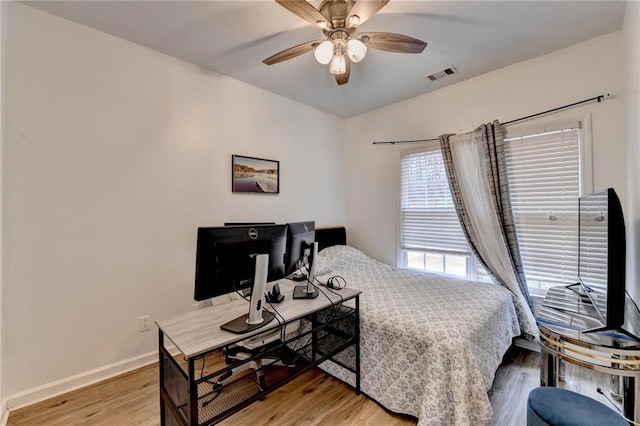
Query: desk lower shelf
pixel 189 397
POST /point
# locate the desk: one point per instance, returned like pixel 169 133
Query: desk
pixel 188 399
pixel 563 320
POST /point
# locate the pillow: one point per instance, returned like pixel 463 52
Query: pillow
pixel 325 262
pixel 348 257
pixel 339 257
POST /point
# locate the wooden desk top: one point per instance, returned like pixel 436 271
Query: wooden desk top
pixel 197 332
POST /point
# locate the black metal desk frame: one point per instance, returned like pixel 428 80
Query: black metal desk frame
pixel 183 396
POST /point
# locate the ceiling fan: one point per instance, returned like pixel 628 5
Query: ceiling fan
pixel 339 20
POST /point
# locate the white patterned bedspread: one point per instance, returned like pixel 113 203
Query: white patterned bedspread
pixel 429 345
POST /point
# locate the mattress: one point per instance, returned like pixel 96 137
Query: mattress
pixel 429 344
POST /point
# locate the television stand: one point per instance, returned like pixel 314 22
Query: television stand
pixel 571 331
pixel 580 290
pixel 612 331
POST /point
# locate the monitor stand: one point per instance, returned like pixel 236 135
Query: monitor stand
pixel 305 292
pixel 308 291
pixel 257 317
pixel 241 326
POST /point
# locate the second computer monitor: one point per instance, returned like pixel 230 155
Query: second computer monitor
pixel 300 239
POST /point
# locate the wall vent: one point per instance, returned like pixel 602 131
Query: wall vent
pixel 438 75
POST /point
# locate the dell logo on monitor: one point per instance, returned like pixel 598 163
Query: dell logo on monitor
pixel 253 233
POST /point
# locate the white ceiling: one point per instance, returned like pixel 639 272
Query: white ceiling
pixel 233 37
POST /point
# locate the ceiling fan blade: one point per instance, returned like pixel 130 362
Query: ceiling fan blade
pixel 362 10
pixel 306 11
pixel 291 52
pixel 391 42
pixel 344 77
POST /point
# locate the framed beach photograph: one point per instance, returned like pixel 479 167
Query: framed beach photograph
pixel 255 175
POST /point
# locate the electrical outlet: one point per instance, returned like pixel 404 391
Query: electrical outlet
pixel 144 323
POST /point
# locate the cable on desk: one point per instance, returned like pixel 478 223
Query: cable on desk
pixel 335 305
pixel 241 295
pixel 282 325
pixel 216 388
pixel 336 282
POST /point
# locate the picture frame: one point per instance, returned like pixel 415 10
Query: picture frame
pixel 255 175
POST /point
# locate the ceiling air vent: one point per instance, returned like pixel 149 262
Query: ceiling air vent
pixel 438 75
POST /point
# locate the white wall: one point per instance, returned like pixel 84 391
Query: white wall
pixel 631 54
pixel 578 72
pixel 113 156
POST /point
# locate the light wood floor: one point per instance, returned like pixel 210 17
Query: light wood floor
pixel 312 399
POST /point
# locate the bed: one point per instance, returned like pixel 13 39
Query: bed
pixel 430 344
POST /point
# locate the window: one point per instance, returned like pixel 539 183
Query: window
pixel 431 238
pixel 544 180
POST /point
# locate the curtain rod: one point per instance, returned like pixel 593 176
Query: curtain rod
pixel 597 98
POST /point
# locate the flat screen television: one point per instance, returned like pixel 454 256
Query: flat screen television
pixel 602 256
pixel 301 252
pixel 230 259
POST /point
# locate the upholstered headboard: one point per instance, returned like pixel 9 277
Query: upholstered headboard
pixel 331 236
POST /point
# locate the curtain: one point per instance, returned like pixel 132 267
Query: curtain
pixel 476 171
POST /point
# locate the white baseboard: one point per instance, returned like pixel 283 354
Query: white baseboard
pixel 58 387
pixel 4 414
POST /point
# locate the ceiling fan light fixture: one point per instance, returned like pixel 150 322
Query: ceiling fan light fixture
pixel 353 21
pixel 356 50
pixel 324 52
pixel 323 24
pixel 340 21
pixel 338 65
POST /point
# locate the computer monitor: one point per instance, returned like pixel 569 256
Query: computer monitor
pixel 308 290
pixel 302 250
pixel 230 259
pixel 300 237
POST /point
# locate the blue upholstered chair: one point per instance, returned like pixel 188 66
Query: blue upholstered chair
pixel 561 407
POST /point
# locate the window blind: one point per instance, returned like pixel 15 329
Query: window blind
pixel 428 217
pixel 594 226
pixel 544 180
